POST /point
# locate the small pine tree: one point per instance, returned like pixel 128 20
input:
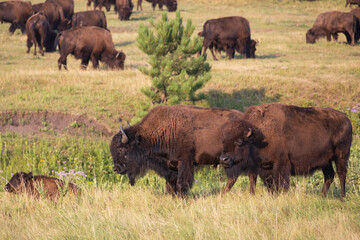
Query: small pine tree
pixel 175 70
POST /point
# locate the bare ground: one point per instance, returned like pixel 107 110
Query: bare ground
pixel 34 123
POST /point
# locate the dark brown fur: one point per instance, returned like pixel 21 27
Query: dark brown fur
pixel 89 18
pixel 234 31
pixel 170 4
pixel 67 5
pixel 352 2
pixel 89 43
pixel 330 24
pixel 39 32
pixel 170 140
pixel 34 185
pixel 16 13
pixel 54 14
pixel 297 141
pixel 124 8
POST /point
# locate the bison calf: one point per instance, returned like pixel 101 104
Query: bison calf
pixel 330 24
pixel 89 43
pixel 39 32
pixel 36 185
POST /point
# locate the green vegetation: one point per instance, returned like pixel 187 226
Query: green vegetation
pixel 286 70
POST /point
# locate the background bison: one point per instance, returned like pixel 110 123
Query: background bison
pixel 288 140
pixel 170 141
pixel 89 18
pixel 16 13
pixel 54 14
pixel 124 8
pixel 89 43
pixel 36 185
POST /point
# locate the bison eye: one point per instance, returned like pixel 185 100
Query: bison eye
pixel 239 142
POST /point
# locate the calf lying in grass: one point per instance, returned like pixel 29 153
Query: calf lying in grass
pixel 38 185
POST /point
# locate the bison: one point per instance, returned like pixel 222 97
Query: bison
pixel 16 13
pixel 283 140
pixel 87 43
pixel 171 140
pixel 89 18
pixel 23 182
pixel 329 24
pixel 67 5
pixel 170 4
pixel 234 30
pixel 97 4
pixel 39 32
pixel 124 8
pixel 54 14
pixel 352 2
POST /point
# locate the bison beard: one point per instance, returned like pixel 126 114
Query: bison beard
pixel 171 141
pixel 298 142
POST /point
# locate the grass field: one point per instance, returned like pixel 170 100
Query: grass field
pixel 286 70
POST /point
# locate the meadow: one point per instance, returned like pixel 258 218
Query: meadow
pixel 285 70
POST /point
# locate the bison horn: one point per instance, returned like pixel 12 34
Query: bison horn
pixel 128 124
pixel 124 138
pixel 249 133
pixel 118 54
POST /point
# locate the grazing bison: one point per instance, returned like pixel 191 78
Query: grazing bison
pixel 234 30
pixel 124 8
pixel 36 185
pixel 67 5
pixel 16 13
pixel 170 140
pixel 54 14
pixel 89 43
pixel 89 18
pixel 330 24
pixel 287 140
pixel 39 32
pixel 170 4
pixel 352 2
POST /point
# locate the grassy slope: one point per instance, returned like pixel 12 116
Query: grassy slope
pixel 286 70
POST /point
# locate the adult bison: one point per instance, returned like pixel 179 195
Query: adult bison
pixel 170 4
pixel 16 13
pixel 329 24
pixel 87 43
pixel 39 32
pixel 23 182
pixel 67 5
pixel 287 140
pixel 89 18
pixel 54 14
pixel 124 8
pixel 233 30
pixel 170 140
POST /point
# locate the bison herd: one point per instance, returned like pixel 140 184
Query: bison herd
pixel 272 141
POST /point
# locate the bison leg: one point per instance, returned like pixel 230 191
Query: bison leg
pixel 335 37
pixel 153 5
pixel 281 177
pixel 329 174
pixel 62 61
pixel 341 168
pixel 252 178
pixel 171 183
pixel 29 44
pixel 185 177
pixel 230 183
pixel 12 28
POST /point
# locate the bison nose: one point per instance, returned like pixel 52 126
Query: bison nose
pixel 6 188
pixel 120 170
pixel 226 160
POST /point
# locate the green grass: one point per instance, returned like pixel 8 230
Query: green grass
pixel 286 70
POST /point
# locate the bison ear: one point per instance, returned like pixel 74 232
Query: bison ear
pixel 28 176
pixel 120 55
pixel 239 142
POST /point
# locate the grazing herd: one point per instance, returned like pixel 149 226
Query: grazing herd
pixel 272 141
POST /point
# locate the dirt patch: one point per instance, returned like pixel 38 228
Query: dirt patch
pixel 50 122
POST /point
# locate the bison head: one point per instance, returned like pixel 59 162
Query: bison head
pixel 239 137
pixel 17 182
pixel 171 5
pixel 252 50
pixel 127 154
pixel 118 60
pixel 310 36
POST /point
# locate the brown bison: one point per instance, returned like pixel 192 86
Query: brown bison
pixel 89 18
pixel 235 31
pixel 89 43
pixel 109 3
pixel 124 8
pixel 283 140
pixel 171 140
pixel 352 2
pixel 16 13
pixel 170 4
pixel 67 5
pixel 39 32
pixel 330 24
pixel 54 14
pixel 97 4
pixel 36 185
